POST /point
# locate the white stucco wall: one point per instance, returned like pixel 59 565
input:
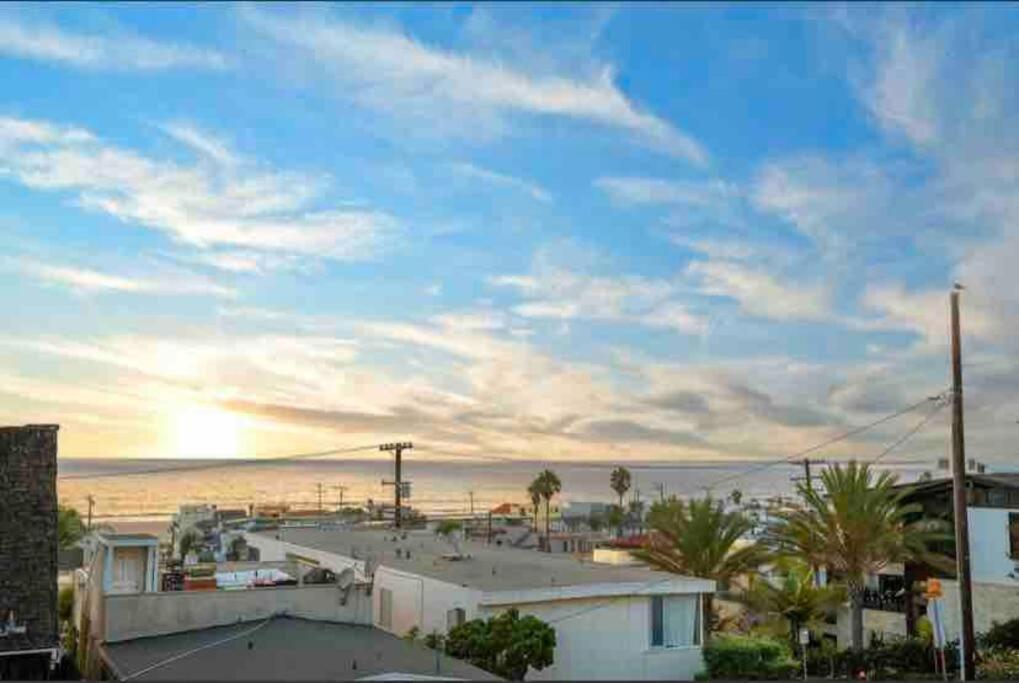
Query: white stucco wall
pixel 608 640
pixel 272 550
pixel 989 546
pixel 420 601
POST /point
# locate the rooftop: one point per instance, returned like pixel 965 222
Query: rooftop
pixel 484 567
pixel 281 648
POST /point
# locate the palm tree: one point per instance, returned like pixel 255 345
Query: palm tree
pixel 534 491
pixel 69 527
pixel 620 483
pixel 699 538
pixel 859 525
pixel 797 600
pixel 548 485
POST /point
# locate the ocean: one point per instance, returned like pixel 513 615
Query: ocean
pixel 437 486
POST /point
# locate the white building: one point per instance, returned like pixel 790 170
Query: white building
pixel 611 622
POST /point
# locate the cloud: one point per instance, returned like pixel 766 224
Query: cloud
pixel 536 192
pixel 201 142
pixel 557 293
pixel 122 52
pixel 204 205
pixel 86 280
pixel 699 194
pixel 759 293
pixel 397 74
pixel 631 430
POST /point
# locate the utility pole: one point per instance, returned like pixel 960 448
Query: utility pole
pixel 339 503
pixel 470 494
pixel 489 527
pixel 806 474
pixel 91 504
pixel 661 490
pixel 397 484
pixel 967 640
pixel 319 487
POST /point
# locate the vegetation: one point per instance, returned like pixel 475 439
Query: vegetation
pixel 619 480
pixel 65 603
pixel 854 528
pixel 1003 635
pixel 506 645
pixel 797 602
pixel 736 497
pixel 748 657
pixel 69 527
pixel 447 528
pixel 699 538
pixel 534 491
pixel 897 658
pixel 189 540
pixel 547 485
pixel 999 665
pixel 238 547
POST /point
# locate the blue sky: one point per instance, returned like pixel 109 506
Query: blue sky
pixel 551 231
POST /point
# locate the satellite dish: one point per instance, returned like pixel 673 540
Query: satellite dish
pixel 345 579
pixel 345 582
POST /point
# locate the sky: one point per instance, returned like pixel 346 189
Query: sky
pixel 553 231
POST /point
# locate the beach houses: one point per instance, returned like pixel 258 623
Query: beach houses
pixel 611 621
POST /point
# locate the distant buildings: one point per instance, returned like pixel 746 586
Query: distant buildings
pixel 611 622
pixel 28 551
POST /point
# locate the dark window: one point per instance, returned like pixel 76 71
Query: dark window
pixel 1013 535
pixel 657 621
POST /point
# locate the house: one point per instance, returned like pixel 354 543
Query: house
pixel 611 622
pixel 278 649
pixel 893 606
pixel 28 551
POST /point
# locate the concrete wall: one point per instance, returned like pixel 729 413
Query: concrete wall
pixel 884 624
pixel 420 601
pixel 991 603
pixel 149 614
pixel 28 533
pixel 273 550
pixel 989 546
pixel 608 640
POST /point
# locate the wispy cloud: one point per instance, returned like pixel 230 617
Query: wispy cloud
pixel 760 293
pixel 395 73
pixel 87 280
pixel 204 205
pixel 477 172
pixel 637 190
pixel 201 142
pixel 120 52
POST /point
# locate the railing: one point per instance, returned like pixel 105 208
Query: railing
pixel 886 601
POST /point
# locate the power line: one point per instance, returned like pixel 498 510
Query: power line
pixel 908 434
pixel 828 442
pixel 216 465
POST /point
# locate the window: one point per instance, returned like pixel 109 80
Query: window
pixel 675 620
pixel 1013 535
pixel 455 617
pixel 385 608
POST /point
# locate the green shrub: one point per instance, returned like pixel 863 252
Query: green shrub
pixel 506 645
pixel 748 657
pixel 888 660
pixel 65 603
pixel 1003 635
pixel 998 664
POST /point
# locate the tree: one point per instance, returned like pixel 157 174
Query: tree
pixel 534 491
pixel 637 514
pixel 796 600
pixel 506 645
pixel 620 480
pixel 736 497
pixel 69 527
pixel 548 486
pixel 855 528
pixel 188 540
pixel 700 538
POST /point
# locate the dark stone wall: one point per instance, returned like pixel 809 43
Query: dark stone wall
pixel 28 534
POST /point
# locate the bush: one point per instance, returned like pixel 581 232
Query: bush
pixel 893 659
pixel 748 657
pixel 506 645
pixel 999 664
pixel 1003 635
pixel 65 603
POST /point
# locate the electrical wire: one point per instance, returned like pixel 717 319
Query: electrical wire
pixel 828 442
pixel 908 434
pixel 188 653
pixel 216 465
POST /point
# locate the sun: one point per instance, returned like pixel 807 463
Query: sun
pixel 206 432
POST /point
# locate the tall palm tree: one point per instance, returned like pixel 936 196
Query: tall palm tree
pixel 619 480
pixel 534 491
pixel 699 538
pixel 548 485
pixel 857 526
pixel 796 599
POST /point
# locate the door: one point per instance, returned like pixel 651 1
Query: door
pixel 128 570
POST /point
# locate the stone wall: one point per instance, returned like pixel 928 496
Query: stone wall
pixel 28 534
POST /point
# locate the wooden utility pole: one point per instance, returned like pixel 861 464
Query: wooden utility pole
pixel 397 484
pixel 91 504
pixel 470 494
pixel 967 640
pixel 319 486
pixel 339 504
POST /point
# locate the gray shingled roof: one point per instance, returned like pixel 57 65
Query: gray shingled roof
pixel 282 649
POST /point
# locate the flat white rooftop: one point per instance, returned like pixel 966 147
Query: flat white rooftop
pixel 484 567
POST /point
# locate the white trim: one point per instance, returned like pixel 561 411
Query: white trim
pixel 679 586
